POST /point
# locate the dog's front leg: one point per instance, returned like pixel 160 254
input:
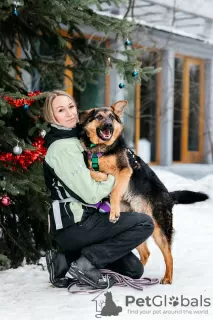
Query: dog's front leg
pixel 97 175
pixel 121 184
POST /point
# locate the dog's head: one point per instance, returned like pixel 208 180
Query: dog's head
pixel 103 125
pixel 108 295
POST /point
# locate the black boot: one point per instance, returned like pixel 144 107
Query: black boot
pixel 87 273
pixel 57 267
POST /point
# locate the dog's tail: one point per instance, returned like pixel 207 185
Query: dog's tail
pixel 187 197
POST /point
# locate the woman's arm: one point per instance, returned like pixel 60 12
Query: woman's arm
pixel 66 158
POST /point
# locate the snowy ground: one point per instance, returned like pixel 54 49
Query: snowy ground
pixel 25 293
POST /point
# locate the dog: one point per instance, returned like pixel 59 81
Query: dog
pixel 137 188
pixel 110 308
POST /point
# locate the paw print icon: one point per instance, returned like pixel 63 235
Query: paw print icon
pixel 174 301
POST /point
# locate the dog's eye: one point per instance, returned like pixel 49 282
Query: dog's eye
pixel 111 117
pixel 99 117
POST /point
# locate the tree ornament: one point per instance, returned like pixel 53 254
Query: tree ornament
pixel 127 42
pixel 22 101
pixel 1 233
pixel 5 201
pixel 109 63
pixel 2 183
pixel 17 150
pixel 121 85
pixel 15 11
pixel 26 106
pixel 27 157
pixel 135 74
pixel 43 133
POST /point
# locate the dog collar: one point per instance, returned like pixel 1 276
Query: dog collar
pixel 94 157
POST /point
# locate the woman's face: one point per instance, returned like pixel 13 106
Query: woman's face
pixel 65 111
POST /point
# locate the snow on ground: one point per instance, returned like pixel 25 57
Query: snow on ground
pixel 26 294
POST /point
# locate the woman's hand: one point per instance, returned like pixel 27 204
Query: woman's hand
pixel 98 176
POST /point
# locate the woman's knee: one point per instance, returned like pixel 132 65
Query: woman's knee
pixel 147 222
pixel 131 266
pixel 138 271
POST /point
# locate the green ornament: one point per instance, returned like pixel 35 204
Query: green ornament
pixel 135 74
pixel 121 85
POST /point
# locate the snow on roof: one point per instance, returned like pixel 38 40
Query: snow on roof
pixel 169 29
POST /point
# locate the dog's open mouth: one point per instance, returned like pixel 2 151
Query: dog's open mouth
pixel 105 134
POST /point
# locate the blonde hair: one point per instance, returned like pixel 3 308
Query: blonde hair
pixel 48 109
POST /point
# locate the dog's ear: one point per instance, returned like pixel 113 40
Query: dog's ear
pixel 85 114
pixel 118 107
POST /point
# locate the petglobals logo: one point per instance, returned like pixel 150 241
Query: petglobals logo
pixel 105 305
pixel 164 301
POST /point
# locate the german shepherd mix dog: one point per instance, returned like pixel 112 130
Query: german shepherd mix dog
pixel 136 188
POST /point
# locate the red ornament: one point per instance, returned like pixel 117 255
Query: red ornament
pixel 26 158
pixel 21 102
pixel 5 201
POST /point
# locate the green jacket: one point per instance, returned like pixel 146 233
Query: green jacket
pixel 66 158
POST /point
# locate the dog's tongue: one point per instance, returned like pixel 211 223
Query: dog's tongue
pixel 106 132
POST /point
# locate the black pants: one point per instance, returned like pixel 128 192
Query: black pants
pixel 105 244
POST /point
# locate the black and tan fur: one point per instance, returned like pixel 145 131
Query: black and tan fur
pixel 137 188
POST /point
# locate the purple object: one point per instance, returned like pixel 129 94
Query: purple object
pixel 120 281
pixel 103 206
pixel 90 154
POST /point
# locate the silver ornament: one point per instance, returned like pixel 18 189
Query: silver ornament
pixel 43 133
pixel 17 150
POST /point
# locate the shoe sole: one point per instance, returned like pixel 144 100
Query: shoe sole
pixel 50 263
pixel 75 272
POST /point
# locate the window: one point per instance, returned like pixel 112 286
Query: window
pixel 178 97
pixel 149 104
pixel 47 77
pixel 129 115
pixel 93 96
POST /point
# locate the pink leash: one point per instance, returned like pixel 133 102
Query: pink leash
pixel 120 281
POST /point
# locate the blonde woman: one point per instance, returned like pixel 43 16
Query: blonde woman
pixel 89 239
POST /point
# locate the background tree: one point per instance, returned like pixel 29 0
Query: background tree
pixel 27 29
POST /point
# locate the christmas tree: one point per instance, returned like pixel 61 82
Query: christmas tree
pixel 29 29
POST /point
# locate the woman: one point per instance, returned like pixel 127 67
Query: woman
pixel 77 226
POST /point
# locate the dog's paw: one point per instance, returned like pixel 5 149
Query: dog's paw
pixel 98 176
pixel 166 281
pixel 114 216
